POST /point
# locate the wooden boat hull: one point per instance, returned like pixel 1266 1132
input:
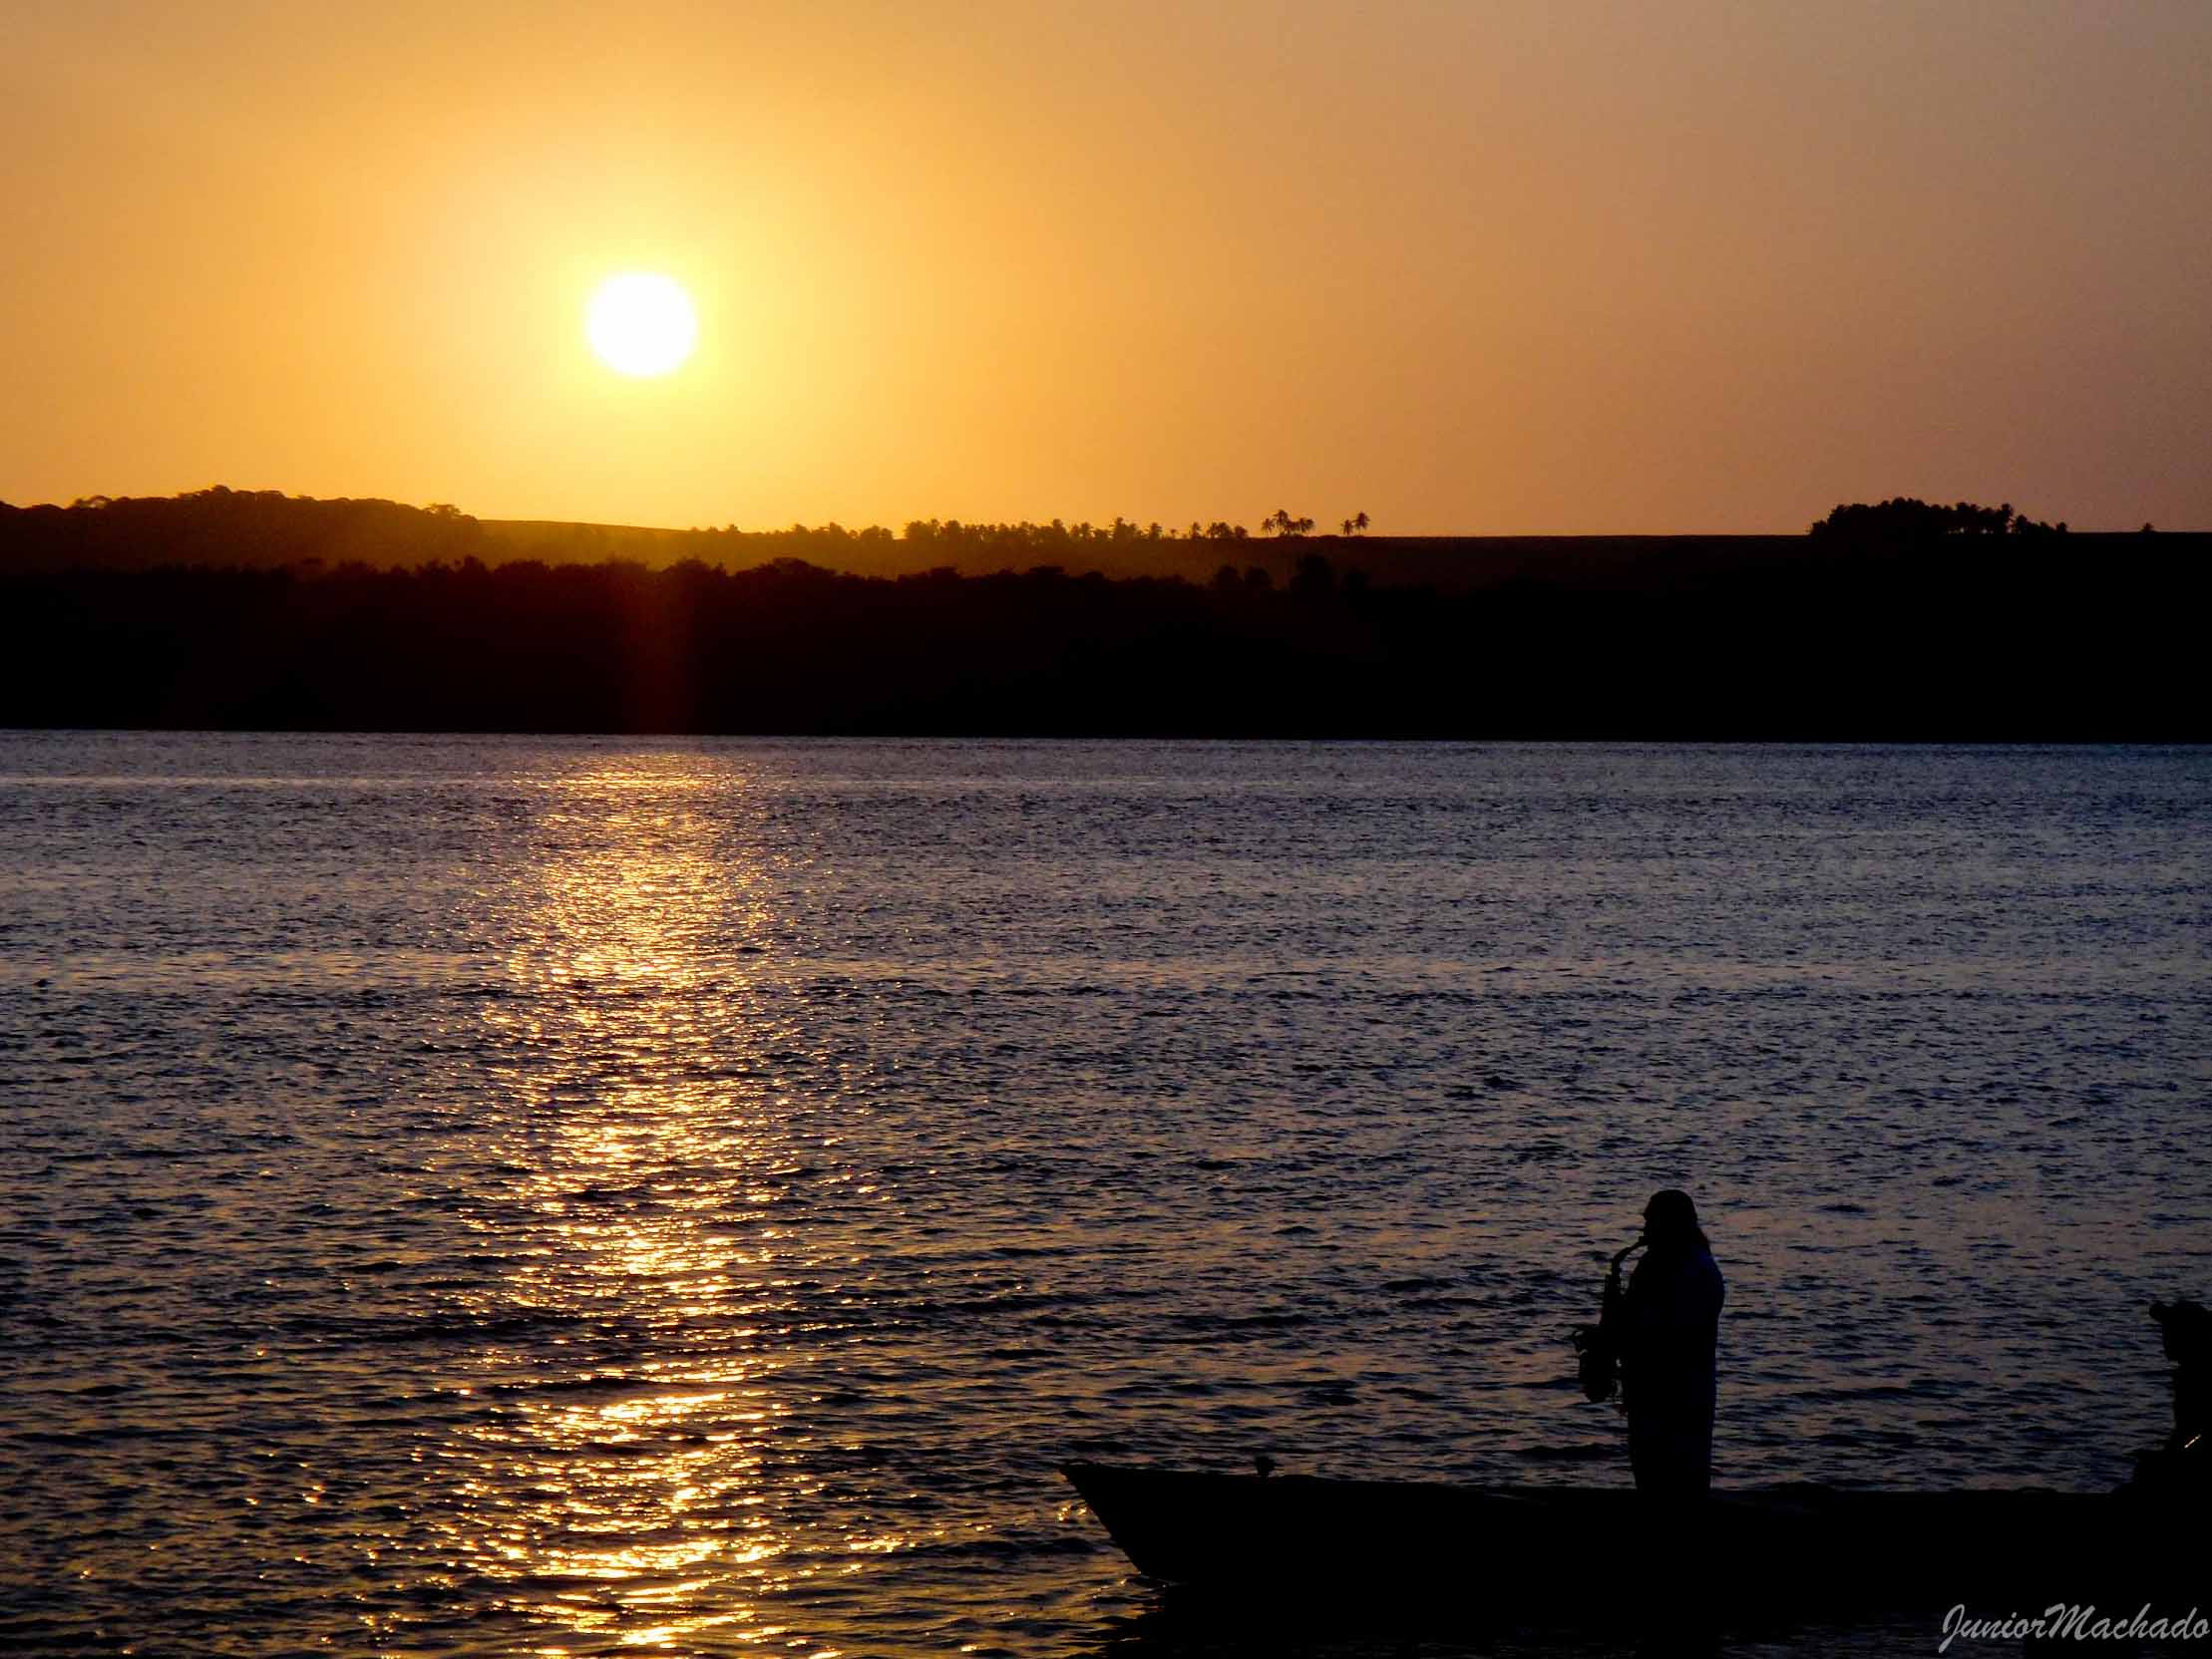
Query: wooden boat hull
pixel 1302 1541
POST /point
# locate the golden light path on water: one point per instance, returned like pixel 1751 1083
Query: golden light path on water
pixel 627 1498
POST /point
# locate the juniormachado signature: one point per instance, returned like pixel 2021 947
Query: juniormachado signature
pixel 2066 1620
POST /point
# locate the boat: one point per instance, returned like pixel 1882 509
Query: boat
pixel 1308 1542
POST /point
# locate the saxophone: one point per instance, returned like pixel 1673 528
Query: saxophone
pixel 1599 1345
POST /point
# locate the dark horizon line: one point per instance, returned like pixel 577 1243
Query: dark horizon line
pixel 1174 533
pixel 233 613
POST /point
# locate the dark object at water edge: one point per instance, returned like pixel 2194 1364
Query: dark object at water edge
pixel 1559 1552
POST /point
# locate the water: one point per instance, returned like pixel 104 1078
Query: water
pixel 485 1196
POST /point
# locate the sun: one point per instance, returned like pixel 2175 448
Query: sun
pixel 641 324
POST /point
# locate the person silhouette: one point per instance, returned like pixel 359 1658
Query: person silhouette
pixel 2185 1327
pixel 1668 1342
pixel 2181 1470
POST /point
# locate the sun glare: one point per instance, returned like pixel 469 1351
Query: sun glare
pixel 641 324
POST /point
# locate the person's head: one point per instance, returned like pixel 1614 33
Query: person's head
pixel 2187 1329
pixel 1671 1223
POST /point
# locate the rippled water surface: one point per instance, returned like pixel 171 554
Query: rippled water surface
pixel 499 1196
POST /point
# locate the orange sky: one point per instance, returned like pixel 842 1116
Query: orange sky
pixel 1471 267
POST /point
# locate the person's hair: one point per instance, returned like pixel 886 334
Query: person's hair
pixel 1672 1215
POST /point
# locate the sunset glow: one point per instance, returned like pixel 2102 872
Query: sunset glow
pixel 1525 269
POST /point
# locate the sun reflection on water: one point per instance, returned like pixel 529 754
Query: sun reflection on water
pixel 615 1485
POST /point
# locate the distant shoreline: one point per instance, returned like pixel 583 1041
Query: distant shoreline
pixel 233 612
pixel 264 529
pixel 794 650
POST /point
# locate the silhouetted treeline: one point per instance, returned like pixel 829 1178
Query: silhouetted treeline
pixel 1123 548
pixel 266 529
pixel 1905 519
pixel 1922 638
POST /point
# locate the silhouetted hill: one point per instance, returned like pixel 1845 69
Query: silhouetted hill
pixel 241 529
pixel 230 610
